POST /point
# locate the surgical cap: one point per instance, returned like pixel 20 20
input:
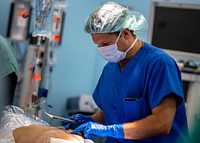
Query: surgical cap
pixel 111 17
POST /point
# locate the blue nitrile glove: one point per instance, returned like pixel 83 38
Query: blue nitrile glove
pixel 78 118
pixel 92 128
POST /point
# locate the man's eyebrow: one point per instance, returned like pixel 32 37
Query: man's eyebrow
pixel 105 42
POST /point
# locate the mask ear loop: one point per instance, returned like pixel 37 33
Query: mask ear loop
pixel 136 38
pixel 118 37
pixel 132 44
pixel 121 33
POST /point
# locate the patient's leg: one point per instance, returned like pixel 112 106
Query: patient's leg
pixel 42 134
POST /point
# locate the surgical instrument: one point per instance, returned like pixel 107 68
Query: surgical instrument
pixel 57 117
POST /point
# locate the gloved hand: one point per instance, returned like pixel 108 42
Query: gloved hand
pixel 78 118
pixel 100 130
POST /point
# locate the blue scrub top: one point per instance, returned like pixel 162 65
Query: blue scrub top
pixel 132 94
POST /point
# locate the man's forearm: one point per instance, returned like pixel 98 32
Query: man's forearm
pixel 144 128
pixel 159 123
pixel 98 117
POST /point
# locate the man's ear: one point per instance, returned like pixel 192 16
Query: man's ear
pixel 126 33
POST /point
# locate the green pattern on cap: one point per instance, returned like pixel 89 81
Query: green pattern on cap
pixel 111 17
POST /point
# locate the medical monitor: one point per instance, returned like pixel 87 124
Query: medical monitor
pixel 175 27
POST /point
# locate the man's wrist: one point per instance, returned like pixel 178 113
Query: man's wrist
pixel 116 130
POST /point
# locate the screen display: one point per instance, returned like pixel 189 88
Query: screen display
pixel 177 29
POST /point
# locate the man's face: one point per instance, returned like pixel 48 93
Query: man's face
pixel 105 39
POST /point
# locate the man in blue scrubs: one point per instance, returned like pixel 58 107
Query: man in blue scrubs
pixel 140 89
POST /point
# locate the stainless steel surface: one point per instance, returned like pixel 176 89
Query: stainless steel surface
pixel 58 118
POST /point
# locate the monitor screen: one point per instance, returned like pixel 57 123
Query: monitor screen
pixel 175 27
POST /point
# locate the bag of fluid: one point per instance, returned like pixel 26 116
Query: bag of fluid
pixel 43 18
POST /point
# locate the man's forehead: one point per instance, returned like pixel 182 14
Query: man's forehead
pixel 101 37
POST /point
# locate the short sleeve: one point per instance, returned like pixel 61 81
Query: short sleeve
pixel 165 79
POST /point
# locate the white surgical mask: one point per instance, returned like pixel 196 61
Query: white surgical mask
pixel 111 52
